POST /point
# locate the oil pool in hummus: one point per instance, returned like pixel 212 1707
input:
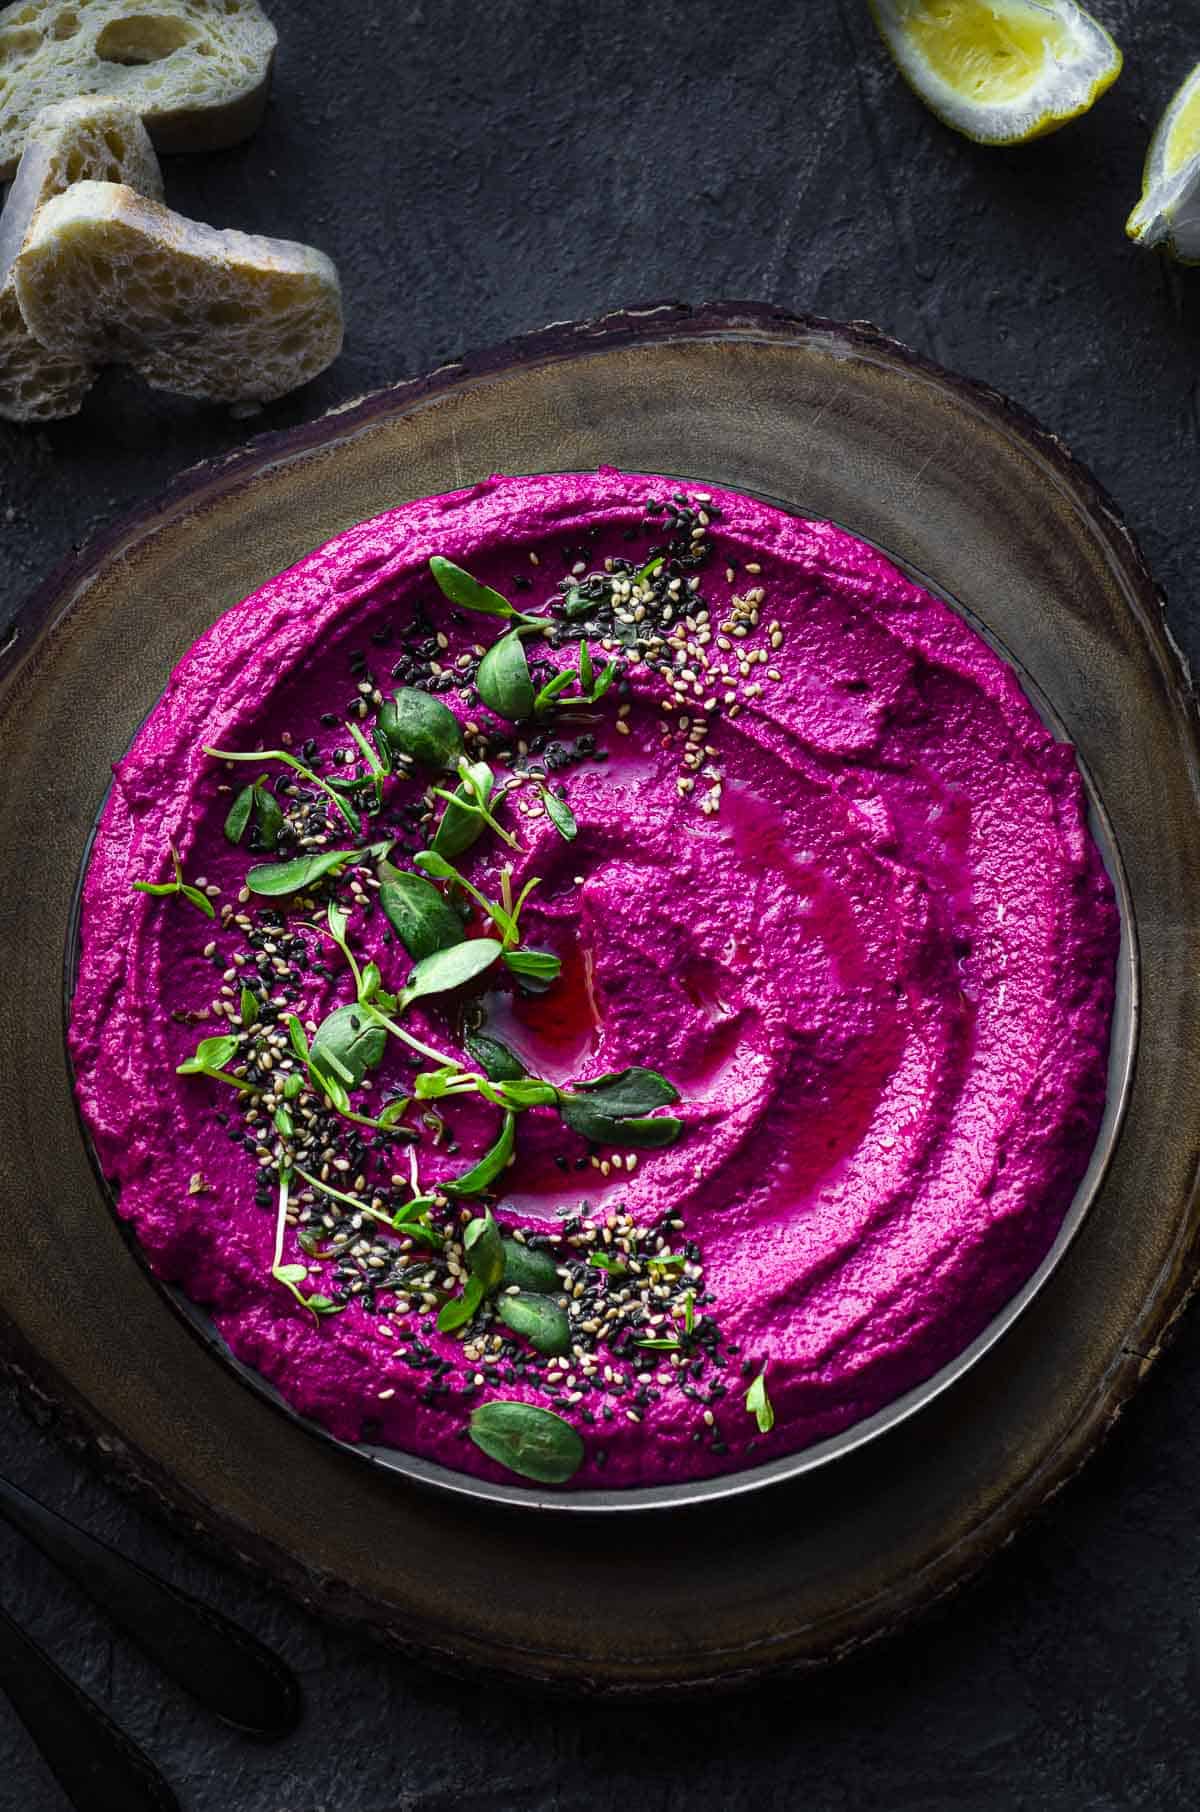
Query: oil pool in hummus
pixel 744 1119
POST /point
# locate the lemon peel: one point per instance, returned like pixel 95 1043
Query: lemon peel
pixel 1001 72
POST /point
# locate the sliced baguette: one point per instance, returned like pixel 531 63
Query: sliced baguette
pixel 107 276
pixel 197 71
pixel 93 137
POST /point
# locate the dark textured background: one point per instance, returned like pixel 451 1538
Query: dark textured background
pixel 478 170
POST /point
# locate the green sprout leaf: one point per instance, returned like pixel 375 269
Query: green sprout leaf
pixel 576 604
pixel 210 1058
pixel 460 1309
pixel 379 766
pixel 194 897
pixel 534 965
pixel 293 1275
pixel 466 815
pixel 445 970
pixel 529 1270
pixel 418 912
pixel 259 802
pixel 272 879
pixel 434 863
pixel 162 889
pixel 503 681
pixel 482 1175
pixel 528 1440
pixel 528 1091
pixel 461 589
pixel 646 1135
pixel 538 1320
pixel 239 815
pixel 629 1092
pixel 474 795
pixel 495 1059
pixel 268 815
pixel 323 1305
pixel 759 1404
pixel 616 1267
pixel 601 1128
pixel 420 726
pixel 560 815
pixel 485 1253
pixel 602 684
pixel 210 1054
pixel 347 1044
pixel 566 676
pixel 289 760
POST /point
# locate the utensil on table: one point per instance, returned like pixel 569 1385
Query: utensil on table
pixel 98 1767
pixel 224 1668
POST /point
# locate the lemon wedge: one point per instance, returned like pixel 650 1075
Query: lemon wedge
pixel 1000 71
pixel 1169 211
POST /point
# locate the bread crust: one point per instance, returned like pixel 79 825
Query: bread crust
pixel 145 52
pixel 89 137
pixel 107 275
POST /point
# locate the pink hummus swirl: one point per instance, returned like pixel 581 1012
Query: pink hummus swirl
pixel 857 918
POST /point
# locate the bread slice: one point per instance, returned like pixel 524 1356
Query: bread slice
pixel 197 71
pixel 95 136
pixel 107 276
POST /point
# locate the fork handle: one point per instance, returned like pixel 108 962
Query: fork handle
pixel 223 1667
pixel 97 1766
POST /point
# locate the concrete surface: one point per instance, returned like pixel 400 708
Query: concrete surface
pixel 480 170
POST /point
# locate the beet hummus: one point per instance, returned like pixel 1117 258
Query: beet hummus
pixel 594 980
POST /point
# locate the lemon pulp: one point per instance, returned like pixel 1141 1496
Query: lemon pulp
pixel 987 53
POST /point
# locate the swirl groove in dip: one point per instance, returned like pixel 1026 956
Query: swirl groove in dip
pixel 832 878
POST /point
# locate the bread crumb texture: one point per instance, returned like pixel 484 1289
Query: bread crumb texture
pixel 197 71
pixel 95 136
pixel 107 275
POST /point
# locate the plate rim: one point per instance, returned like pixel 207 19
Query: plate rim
pixel 853 1622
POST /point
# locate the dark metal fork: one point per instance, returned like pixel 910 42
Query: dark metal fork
pixel 225 1669
pixel 97 1766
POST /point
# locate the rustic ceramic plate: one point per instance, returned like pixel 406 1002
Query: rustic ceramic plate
pixel 835 421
